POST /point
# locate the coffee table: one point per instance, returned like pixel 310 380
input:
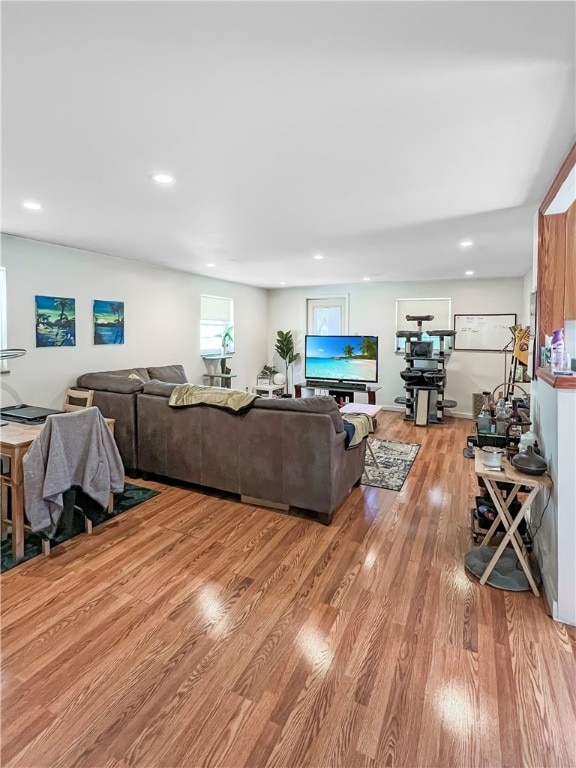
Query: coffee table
pixel 368 410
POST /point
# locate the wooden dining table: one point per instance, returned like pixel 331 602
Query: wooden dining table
pixel 15 439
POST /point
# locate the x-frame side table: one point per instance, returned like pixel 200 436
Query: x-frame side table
pixel 517 480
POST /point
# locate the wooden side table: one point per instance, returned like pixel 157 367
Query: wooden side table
pixel 516 480
pixel 15 439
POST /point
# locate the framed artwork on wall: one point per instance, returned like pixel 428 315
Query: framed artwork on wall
pixel 108 322
pixel 55 321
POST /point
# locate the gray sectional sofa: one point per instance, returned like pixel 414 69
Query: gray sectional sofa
pixel 115 394
pixel 286 452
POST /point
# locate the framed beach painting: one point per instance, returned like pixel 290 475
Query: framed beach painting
pixel 55 321
pixel 108 322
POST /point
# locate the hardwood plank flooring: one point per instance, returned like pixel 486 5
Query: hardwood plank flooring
pixel 199 632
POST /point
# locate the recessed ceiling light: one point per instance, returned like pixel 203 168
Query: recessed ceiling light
pixel 210 264
pixel 32 205
pixel 163 178
pixel 318 256
pixel 469 272
pixel 282 283
pixel 366 278
pixel 466 243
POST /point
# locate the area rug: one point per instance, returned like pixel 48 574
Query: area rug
pixel 131 497
pixel 394 462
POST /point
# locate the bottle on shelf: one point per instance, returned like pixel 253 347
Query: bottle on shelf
pixel 492 408
pixel 557 358
pixel 501 416
pixel 514 430
pixel 484 417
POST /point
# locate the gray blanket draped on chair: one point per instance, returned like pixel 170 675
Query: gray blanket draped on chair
pixel 73 449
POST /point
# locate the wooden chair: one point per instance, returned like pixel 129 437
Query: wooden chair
pixel 77 399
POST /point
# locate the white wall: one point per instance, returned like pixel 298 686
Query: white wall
pixel 554 418
pixel 553 414
pixel 372 311
pixel 527 289
pixel 162 311
pixel 544 414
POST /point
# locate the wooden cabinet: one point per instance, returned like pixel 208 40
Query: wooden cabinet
pixel 556 258
pixel 552 285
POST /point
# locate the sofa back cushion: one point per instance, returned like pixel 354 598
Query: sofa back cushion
pixel 174 374
pixel 159 388
pixel 123 382
pixel 304 405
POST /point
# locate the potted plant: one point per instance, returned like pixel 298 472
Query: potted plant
pixel 266 375
pixel 285 348
pixel 226 339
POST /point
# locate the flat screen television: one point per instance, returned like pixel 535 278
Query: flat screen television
pixel 342 358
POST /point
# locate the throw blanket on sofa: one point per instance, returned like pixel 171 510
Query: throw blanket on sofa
pixel 233 400
pixel 357 426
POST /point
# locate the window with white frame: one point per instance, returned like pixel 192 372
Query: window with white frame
pixel 439 308
pixel 327 316
pixel 216 318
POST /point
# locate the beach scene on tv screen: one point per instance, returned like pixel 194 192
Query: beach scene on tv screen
pixel 347 358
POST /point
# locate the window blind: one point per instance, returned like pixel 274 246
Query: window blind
pixel 214 308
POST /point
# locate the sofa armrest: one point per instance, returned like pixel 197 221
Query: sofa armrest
pixel 159 388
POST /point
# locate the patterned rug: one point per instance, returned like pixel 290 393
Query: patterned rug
pixel 394 462
pixel 132 496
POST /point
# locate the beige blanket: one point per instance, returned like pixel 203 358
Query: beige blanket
pixel 228 399
pixel 363 426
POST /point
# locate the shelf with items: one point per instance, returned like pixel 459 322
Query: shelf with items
pixel 503 425
pixel 269 390
pixel 425 375
pixel 345 391
pixel 506 514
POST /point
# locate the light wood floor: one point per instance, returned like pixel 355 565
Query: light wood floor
pixel 195 631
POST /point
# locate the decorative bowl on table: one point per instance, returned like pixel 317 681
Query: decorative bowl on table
pixel 529 462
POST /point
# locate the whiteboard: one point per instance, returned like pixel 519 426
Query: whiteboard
pixel 483 333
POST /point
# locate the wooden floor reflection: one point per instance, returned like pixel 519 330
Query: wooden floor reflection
pixel 196 631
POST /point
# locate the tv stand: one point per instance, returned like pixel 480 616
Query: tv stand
pixel 339 390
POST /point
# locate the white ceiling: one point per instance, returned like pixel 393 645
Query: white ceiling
pixel 378 134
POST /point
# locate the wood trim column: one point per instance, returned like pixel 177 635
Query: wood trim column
pixel 570 286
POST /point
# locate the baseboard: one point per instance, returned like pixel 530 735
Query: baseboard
pixel 547 587
pixel 401 409
pixel 550 605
